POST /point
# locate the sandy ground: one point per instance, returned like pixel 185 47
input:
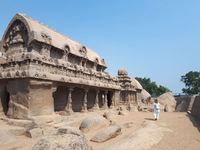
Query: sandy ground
pixel 174 131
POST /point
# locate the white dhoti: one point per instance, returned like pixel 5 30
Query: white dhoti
pixel 156 114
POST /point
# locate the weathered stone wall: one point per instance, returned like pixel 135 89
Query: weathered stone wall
pixel 18 90
pixel 182 103
pixel 22 98
pixel 41 99
pixel 196 107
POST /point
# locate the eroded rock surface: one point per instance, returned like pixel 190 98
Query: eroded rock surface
pixel 68 138
pixel 93 122
pixel 107 133
pixel 168 101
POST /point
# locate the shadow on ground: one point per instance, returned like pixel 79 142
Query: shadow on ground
pixel 195 121
pixel 151 119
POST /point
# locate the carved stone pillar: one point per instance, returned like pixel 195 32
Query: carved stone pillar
pixel 106 100
pixel 84 106
pixel 68 107
pixel 129 100
pixel 133 95
pixel 96 105
pixel 137 99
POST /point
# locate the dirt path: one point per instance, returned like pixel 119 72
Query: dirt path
pixel 174 131
pixel 185 134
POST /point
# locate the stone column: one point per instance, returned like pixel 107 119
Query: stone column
pixel 126 97
pixel 132 98
pixel 106 100
pixel 84 106
pixel 133 95
pixel 68 107
pixel 129 101
pixel 96 105
pixel 137 99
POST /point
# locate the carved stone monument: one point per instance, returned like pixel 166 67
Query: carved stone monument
pixel 43 71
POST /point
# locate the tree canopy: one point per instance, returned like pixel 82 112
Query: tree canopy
pixel 192 82
pixel 152 87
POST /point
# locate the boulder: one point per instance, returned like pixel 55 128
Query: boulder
pixel 34 133
pixel 109 115
pixel 69 130
pixel 93 122
pixel 65 139
pixel 168 101
pixel 122 110
pixel 123 113
pixel 107 133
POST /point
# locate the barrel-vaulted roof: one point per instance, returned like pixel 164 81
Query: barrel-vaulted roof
pixel 37 30
pixel 136 84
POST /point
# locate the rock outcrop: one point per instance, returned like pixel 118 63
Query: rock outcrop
pixel 167 101
pixel 93 122
pixel 107 133
pixel 109 115
pixel 196 107
pixel 65 139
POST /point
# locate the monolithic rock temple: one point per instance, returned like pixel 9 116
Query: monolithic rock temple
pixel 43 71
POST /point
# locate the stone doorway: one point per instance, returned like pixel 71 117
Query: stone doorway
pixel 77 99
pixel 60 98
pixel 109 96
pixel 91 99
pixel 5 98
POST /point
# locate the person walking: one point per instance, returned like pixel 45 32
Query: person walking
pixel 156 109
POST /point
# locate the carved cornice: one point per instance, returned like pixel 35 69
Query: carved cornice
pixel 32 66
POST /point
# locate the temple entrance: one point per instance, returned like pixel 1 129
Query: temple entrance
pixel 109 96
pixel 91 99
pixel 60 98
pixel 77 99
pixel 5 98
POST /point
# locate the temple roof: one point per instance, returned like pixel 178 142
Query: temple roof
pixel 136 84
pixel 144 94
pixel 37 31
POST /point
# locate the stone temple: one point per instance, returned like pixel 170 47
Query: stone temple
pixel 43 71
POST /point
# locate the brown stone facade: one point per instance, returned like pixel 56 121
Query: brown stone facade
pixel 42 71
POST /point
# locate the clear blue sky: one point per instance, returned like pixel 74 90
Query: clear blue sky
pixel 159 39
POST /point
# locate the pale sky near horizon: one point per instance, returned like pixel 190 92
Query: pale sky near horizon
pixel 154 39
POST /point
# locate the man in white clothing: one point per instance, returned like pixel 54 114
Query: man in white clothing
pixel 156 109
